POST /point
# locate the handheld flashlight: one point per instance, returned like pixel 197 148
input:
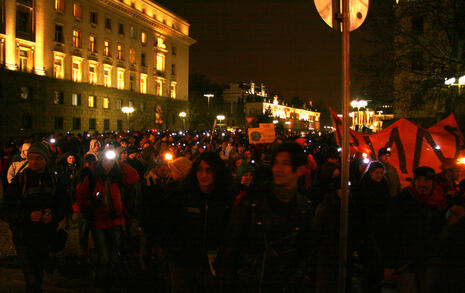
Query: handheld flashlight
pixel 52 140
pixel 110 155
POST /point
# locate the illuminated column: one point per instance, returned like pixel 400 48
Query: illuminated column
pixel 10 30
pixel 39 31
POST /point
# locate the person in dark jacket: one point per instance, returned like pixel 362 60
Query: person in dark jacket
pixel 416 218
pixel 268 246
pixel 33 205
pixel 371 201
pixel 197 220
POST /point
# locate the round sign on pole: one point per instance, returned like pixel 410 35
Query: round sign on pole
pixel 329 9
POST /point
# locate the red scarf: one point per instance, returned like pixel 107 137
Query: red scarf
pixel 435 199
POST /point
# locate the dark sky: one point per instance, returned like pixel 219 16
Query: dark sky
pixel 284 44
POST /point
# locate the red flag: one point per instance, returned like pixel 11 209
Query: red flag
pixel 411 146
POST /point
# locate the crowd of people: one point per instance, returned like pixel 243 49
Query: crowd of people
pixel 213 213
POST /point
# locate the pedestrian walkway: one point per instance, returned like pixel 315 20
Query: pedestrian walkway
pixel 67 273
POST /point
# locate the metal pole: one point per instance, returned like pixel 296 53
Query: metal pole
pixel 343 227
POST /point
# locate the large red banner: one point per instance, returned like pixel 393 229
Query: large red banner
pixel 411 146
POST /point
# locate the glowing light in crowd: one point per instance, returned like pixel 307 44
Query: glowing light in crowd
pixel 438 147
pixel 110 155
pixel 275 121
pixel 366 160
pixel 52 140
pixel 388 149
pixel 223 134
pixel 339 149
pixel 182 114
pixel 168 157
pixel 364 155
pixel 461 160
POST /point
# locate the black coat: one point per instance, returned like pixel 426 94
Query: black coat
pixel 413 228
pixel 196 223
pixel 30 192
pixel 269 243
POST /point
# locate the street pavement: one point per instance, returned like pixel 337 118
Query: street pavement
pixel 69 274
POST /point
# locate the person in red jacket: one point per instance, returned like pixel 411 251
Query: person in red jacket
pixel 99 194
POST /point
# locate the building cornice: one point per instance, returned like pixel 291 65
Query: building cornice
pixel 144 18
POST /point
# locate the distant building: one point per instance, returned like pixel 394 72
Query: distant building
pixel 370 119
pixel 72 65
pixel 251 99
pixel 292 118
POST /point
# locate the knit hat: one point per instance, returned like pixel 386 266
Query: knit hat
pixel 243 169
pixel 39 148
pixel 181 165
pixel 383 151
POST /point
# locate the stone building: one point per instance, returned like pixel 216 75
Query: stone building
pixel 72 65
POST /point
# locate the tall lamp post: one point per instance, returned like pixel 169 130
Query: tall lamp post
pixel 183 115
pixel 128 111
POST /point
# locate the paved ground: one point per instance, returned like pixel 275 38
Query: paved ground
pixel 71 275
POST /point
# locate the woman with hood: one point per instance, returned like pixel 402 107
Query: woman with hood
pixel 94 149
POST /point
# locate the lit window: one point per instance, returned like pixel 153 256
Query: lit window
pixel 24 63
pixel 77 70
pixel 60 5
pixel 173 90
pixel 107 76
pixel 161 43
pixel 91 101
pixel 143 37
pixel 160 62
pixel 106 103
pixel 77 10
pixel 58 69
pixel 76 39
pixel 76 99
pixel 93 73
pixel 106 48
pixel 159 87
pixel 92 46
pixel 120 79
pixel 132 56
pixel 120 52
pixel 143 83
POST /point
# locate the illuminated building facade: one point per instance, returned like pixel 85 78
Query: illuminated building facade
pixel 250 99
pixel 72 65
pixel 366 119
pixel 292 118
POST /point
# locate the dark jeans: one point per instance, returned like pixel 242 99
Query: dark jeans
pixel 32 260
pixel 107 242
pixel 84 226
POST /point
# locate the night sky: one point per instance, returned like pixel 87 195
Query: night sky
pixel 284 44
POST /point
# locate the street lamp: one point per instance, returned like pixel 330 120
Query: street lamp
pixel 220 118
pixel 208 96
pixel 183 115
pixel 128 111
pixel 454 82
